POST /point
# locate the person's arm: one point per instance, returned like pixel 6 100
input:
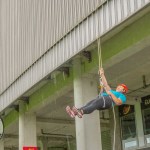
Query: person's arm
pixel 117 101
pixel 107 88
pixel 104 81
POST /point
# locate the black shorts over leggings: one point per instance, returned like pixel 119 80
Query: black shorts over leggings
pixel 100 103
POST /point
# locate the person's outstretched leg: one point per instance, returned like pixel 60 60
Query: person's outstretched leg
pixel 79 112
pixel 90 102
pixel 100 103
pixel 89 107
pixel 93 105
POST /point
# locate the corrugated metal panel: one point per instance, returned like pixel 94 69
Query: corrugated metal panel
pixel 30 27
pixel 80 37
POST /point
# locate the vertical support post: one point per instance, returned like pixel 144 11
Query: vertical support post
pixel 88 133
pixel 139 124
pixel 27 128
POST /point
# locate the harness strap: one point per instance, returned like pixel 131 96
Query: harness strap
pixel 104 102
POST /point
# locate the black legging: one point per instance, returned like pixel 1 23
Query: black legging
pixel 100 103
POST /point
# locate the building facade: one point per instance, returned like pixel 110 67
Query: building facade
pixel 49 59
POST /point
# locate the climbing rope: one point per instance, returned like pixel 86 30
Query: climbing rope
pixel 114 140
pixel 101 87
pixel 99 53
pixel 100 63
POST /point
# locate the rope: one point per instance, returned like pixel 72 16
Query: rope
pixel 101 85
pixel 100 63
pixel 99 53
pixel 114 140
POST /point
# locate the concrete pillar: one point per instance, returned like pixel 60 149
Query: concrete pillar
pixel 88 133
pixel 27 129
pixel 118 141
pixel 1 144
pixel 139 124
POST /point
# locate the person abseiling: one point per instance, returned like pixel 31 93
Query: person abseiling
pixel 104 100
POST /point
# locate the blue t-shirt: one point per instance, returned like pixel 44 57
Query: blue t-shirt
pixel 119 95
